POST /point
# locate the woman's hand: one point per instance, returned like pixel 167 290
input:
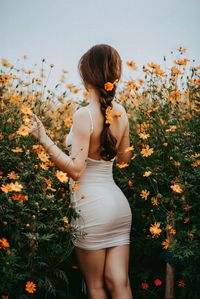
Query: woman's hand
pixel 37 129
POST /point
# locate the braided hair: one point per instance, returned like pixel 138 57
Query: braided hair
pixel 101 64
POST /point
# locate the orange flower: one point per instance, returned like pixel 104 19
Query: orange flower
pixel 144 194
pixel 176 188
pixel 171 129
pixel 155 201
pixel 147 151
pixel 68 122
pixel 13 175
pixel 108 86
pixel 4 243
pixel 155 229
pixel 62 176
pixel 26 110
pixel 132 65
pixel 108 115
pixel 176 71
pixel 65 219
pixel 75 186
pixel 11 187
pixel 122 165
pixel 181 283
pixel 17 150
pixel 20 197
pixel 182 62
pixel 129 148
pixel 23 131
pixel 165 244
pixel 43 157
pixel 30 287
pixel 147 173
pixel 143 135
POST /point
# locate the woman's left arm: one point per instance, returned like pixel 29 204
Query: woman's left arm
pixel 74 164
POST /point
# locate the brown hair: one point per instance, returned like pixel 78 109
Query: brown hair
pixel 101 64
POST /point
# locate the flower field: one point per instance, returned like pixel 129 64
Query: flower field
pixel 161 182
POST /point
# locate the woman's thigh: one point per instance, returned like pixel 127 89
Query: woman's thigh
pixel 92 263
pixel 116 265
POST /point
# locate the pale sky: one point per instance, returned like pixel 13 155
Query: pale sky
pixel 61 31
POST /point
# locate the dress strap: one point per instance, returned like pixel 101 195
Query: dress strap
pixel 92 127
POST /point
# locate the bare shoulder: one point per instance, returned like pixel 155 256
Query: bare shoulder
pixel 118 107
pixel 80 113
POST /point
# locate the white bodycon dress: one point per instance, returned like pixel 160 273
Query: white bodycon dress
pixel 104 212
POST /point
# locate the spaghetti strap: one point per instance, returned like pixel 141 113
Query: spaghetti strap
pixel 91 119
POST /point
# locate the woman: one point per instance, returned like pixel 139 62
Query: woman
pixel 100 135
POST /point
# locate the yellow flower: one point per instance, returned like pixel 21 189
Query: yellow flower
pixel 165 244
pixel 143 135
pixel 171 129
pixel 30 287
pixel 44 166
pixel 26 110
pixel 181 283
pixel 13 175
pixel 144 194
pixel 68 122
pixel 23 131
pixel 196 163
pixel 17 150
pixel 176 71
pixel 16 187
pixel 43 157
pixel 154 201
pixel 5 188
pixel 147 173
pixel 129 148
pixel 182 62
pixel 147 151
pixel 176 188
pixel 121 165
pixel 75 186
pixel 132 65
pixel 155 229
pixel 62 176
pixel 4 243
pixel 108 115
pixel 65 219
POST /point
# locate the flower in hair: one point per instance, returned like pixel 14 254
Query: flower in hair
pixel 108 115
pixel 109 85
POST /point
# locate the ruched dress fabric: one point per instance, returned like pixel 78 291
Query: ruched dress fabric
pixel 105 216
